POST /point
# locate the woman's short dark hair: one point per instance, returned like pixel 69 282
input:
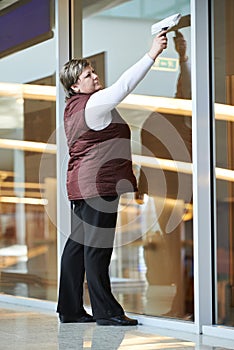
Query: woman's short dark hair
pixel 70 73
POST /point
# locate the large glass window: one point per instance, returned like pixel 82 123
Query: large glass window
pixel 28 244
pixel 152 265
pixel 224 125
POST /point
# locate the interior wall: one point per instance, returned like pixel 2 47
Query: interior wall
pixel 34 63
pixel 127 41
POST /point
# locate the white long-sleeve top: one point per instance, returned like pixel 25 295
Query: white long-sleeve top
pixel 101 103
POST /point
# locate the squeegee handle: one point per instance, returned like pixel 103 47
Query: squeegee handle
pixel 164 28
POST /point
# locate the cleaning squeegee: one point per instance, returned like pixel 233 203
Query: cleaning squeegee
pixel 165 24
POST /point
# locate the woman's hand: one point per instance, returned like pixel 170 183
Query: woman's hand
pixel 180 46
pixel 158 45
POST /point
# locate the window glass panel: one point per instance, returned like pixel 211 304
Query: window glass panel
pixel 224 125
pixel 152 264
pixel 28 244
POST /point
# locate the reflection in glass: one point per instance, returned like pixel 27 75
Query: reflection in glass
pixel 224 128
pixel 28 258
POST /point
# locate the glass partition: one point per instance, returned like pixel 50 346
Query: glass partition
pixel 28 258
pixel 152 265
pixel 224 125
pixel 28 240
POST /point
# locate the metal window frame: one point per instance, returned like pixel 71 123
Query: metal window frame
pixel 68 29
pixel 201 130
pixel 62 34
pixel 203 175
pixel 213 329
pixel 203 167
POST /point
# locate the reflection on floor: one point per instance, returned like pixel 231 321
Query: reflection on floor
pixel 29 272
pixel 28 328
pixel 34 274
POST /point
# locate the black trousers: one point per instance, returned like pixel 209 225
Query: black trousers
pixel 88 250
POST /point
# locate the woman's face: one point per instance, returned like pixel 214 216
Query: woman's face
pixel 88 81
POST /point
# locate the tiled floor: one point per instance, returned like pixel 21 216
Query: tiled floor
pixel 29 328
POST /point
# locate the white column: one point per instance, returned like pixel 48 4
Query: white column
pixel 203 167
pixel 68 26
pixel 62 56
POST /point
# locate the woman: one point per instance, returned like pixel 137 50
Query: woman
pixel 99 171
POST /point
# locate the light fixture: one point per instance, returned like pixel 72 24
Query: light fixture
pixel 40 147
pixel 133 101
pixel 29 91
pixel 174 106
pixel 177 166
pixel 23 200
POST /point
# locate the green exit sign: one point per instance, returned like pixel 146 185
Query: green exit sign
pixel 166 64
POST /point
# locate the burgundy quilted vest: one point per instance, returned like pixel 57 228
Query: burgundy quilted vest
pixel 100 161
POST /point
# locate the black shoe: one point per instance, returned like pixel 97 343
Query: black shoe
pixel 75 319
pixel 121 320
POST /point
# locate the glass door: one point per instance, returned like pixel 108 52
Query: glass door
pixel 224 125
pixel 28 235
